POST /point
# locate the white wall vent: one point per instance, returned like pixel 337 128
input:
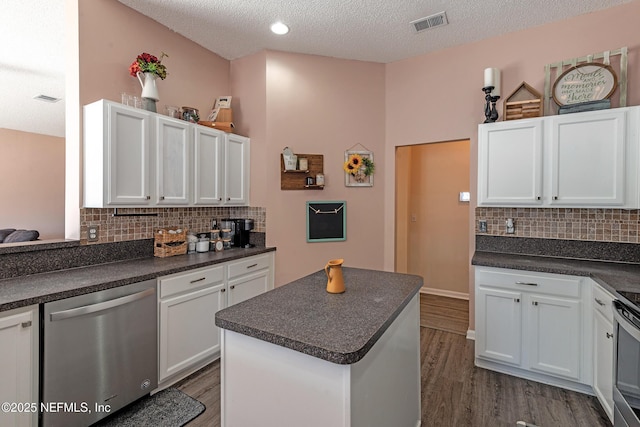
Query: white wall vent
pixel 46 98
pixel 431 21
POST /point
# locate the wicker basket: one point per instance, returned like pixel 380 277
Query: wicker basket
pixel 169 242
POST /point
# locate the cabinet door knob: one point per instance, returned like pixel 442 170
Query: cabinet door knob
pixel 232 286
pixel 516 299
pixel 555 197
pixel 223 290
pixel 538 198
pixel 609 335
pixel 220 199
pixel 228 199
pixel 535 303
pixel 161 197
pixel 148 197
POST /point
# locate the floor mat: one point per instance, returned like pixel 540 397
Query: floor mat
pixel 168 408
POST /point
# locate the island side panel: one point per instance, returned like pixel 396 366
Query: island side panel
pixel 272 386
pixel 267 385
pixel 385 384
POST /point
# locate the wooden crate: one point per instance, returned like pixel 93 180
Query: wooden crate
pixel 168 244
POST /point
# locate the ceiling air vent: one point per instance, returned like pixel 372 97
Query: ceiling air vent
pixel 430 21
pixel 46 98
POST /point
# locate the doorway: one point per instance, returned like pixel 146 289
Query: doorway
pixel 432 228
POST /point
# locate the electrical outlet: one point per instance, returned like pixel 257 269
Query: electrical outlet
pixel 93 233
pixel 511 227
pixel 482 226
pixel 414 218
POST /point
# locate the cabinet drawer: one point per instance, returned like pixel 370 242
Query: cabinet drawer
pixel 187 281
pixel 539 283
pixel 249 265
pixel 603 301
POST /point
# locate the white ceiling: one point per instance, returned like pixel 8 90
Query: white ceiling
pixel 32 34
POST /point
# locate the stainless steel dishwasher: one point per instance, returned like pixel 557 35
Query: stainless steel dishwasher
pixel 99 353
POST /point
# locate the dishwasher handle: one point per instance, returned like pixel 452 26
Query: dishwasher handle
pixel 101 306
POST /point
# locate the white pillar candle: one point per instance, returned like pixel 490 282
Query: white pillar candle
pixel 496 82
pixel 488 77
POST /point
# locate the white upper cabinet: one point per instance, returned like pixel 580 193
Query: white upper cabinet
pixel 236 182
pixel 116 155
pixel 135 158
pixel 575 160
pixel 173 141
pixel 510 164
pixel 588 159
pixel 207 166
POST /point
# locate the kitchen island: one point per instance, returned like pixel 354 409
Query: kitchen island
pixel 298 355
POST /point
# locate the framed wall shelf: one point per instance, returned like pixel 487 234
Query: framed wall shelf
pixel 297 179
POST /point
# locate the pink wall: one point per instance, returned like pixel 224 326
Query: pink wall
pixel 112 35
pixel 315 105
pixel 32 183
pixel 437 97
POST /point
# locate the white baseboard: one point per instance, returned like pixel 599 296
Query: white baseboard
pixel 444 293
pixel 471 335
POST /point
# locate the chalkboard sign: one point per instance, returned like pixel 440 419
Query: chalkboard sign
pixel 326 221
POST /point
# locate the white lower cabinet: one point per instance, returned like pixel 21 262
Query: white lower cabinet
pixel 250 277
pixel 188 302
pixel 534 325
pixel 19 366
pixel 603 348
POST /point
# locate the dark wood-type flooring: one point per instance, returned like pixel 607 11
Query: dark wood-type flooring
pixel 454 391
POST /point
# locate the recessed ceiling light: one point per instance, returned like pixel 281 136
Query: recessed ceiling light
pixel 279 28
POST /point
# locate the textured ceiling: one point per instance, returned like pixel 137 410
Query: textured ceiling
pixel 32 36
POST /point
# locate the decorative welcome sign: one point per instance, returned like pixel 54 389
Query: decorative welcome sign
pixel 584 83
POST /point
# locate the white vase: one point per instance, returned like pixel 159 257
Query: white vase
pixel 149 88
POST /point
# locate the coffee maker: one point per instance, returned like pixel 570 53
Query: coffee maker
pixel 243 229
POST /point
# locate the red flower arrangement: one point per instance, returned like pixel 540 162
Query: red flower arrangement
pixel 147 63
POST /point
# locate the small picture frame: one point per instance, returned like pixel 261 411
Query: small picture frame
pixel 363 176
pixel 223 102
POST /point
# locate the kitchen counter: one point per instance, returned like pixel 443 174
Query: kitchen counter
pixel 334 359
pixel 44 287
pixel 613 276
pixel 339 328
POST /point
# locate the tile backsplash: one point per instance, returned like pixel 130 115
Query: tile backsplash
pixel 122 228
pixel 604 225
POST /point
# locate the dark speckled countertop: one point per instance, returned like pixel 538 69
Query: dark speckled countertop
pixel 44 287
pixel 613 276
pixel 340 328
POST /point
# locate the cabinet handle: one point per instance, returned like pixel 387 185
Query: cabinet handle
pixel 161 197
pixel 600 303
pixel 538 198
pixel 197 280
pixel 148 197
pixel 228 199
pixel 609 335
pixel 252 265
pixel 516 299
pixel 220 199
pixel 26 324
pixel 535 303
pixel 555 197
pixel 223 290
pixel 232 286
pixel 526 283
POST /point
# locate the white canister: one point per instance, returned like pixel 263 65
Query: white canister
pixel 202 245
pixel 303 164
pixel 319 179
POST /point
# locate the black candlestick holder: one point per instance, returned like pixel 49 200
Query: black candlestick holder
pixel 490 112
